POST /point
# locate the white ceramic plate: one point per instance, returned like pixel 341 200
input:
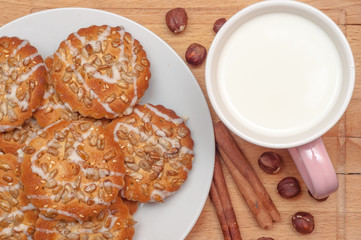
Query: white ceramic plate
pixel 172 85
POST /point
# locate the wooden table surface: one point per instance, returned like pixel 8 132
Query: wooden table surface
pixel 336 218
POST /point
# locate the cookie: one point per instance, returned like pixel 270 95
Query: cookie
pixel 17 214
pixel 72 170
pixel 11 142
pixel 22 82
pixel 157 147
pixel 52 108
pixel 113 223
pixel 101 71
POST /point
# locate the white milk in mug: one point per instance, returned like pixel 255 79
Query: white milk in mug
pixel 280 74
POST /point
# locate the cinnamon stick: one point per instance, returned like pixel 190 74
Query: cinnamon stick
pixel 255 205
pixel 228 145
pixel 220 213
pixel 223 194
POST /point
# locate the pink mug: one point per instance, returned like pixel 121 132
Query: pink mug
pixel 232 103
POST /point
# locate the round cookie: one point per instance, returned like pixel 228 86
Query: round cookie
pixel 11 142
pixel 113 223
pixel 72 170
pixel 101 71
pixel 17 215
pixel 52 108
pixel 157 147
pixel 22 82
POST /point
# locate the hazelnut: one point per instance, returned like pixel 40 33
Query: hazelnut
pixel 196 54
pixel 218 24
pixel 265 238
pixel 288 187
pixel 270 162
pixel 303 222
pixel 176 19
pixel 318 199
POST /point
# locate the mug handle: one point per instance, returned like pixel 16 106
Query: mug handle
pixel 315 167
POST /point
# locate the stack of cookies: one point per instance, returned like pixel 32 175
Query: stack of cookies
pixel 77 150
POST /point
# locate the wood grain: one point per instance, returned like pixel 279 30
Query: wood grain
pixel 336 218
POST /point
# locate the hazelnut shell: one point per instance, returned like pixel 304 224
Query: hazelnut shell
pixel 270 162
pixel 218 24
pixel 289 187
pixel 176 19
pixel 196 54
pixel 303 222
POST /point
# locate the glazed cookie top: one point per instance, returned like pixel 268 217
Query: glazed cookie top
pixel 11 142
pixel 22 81
pixel 101 71
pixel 112 223
pixel 158 153
pixel 17 214
pixel 72 170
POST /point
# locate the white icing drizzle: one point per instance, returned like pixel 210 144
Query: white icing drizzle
pixel 49 92
pixel 162 193
pixel 112 223
pixel 74 226
pixel 140 114
pixel 130 128
pixel 118 174
pixel 21 228
pixel 185 150
pixel 28 74
pixel 40 197
pixel 43 230
pixel 50 104
pixel 42 130
pixel 87 88
pixel 176 121
pixel 4 128
pixel 28 207
pixel 73 51
pixel 186 169
pixel 20 211
pixel 60 212
pixel 34 55
pixel 160 133
pixel 105 78
pixel 130 109
pixel 53 106
pixel 174 141
pixel 35 168
pixel 110 184
pixel 23 104
pixel 20 46
pixel 81 38
pixel 20 157
pixel 97 200
pixel 7 188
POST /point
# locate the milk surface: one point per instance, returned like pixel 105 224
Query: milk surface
pixel 280 74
